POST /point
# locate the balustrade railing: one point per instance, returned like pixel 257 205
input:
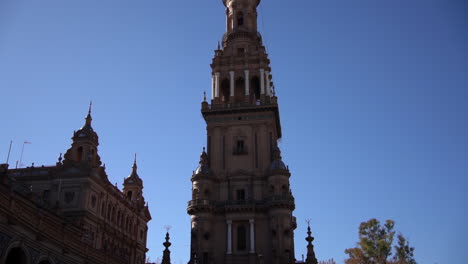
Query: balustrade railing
pixel 228 105
pixel 275 199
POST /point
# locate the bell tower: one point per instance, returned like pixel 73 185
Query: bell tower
pixel 241 207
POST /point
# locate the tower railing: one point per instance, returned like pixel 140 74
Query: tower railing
pixel 270 200
pixel 241 32
pixel 234 105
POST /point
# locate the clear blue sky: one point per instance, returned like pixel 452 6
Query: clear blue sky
pixel 373 100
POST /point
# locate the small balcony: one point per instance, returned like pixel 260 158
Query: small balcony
pixel 236 105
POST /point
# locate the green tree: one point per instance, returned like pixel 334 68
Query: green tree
pixel 404 254
pixel 375 245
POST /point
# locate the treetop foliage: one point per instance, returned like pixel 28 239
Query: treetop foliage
pixel 375 245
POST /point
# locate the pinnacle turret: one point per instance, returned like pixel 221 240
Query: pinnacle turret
pixel 166 253
pixel 88 117
pixel 311 259
pixel 83 151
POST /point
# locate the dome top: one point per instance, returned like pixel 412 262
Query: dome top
pixel 277 163
pixel 86 131
pixel 203 167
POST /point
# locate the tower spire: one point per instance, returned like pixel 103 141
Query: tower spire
pixel 88 117
pixel 135 164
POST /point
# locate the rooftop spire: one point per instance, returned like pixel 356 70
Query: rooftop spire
pixel 135 164
pixel 88 117
pixel 166 253
pixel 311 259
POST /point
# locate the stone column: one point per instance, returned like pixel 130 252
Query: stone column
pixel 247 86
pixel 267 78
pixel 252 235
pixel 229 236
pixel 213 87
pixel 262 81
pixel 231 75
pixel 217 84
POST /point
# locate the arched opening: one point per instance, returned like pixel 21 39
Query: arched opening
pixel 239 90
pixel 272 189
pixel 91 155
pixel 241 238
pixel 207 194
pixel 225 90
pixel 240 19
pixel 129 195
pixel 255 88
pixel 79 154
pixel 109 212
pixel 16 256
pixel 195 194
pixel 103 209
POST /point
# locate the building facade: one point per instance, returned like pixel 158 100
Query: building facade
pixel 70 212
pixel 242 204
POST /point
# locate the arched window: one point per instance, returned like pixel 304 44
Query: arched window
pixel 239 91
pixel 225 90
pixel 240 19
pixel 241 238
pixel 79 154
pixel 16 256
pixel 207 194
pixel 129 195
pixel 255 88
pixel 195 194
pixel 103 209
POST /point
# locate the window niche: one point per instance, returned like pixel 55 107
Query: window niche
pixel 240 147
pixel 240 19
pixel 241 238
pixel 240 195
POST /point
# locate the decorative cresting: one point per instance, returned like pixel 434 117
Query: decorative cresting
pixel 83 151
pixel 311 259
pixel 166 253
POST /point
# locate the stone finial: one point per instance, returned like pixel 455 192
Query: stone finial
pixel 204 157
pixel 311 259
pixel 166 253
pixel 88 117
pixel 135 164
pixel 276 153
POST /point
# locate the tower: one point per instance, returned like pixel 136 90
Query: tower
pixel 83 151
pixel 133 186
pixel 241 207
